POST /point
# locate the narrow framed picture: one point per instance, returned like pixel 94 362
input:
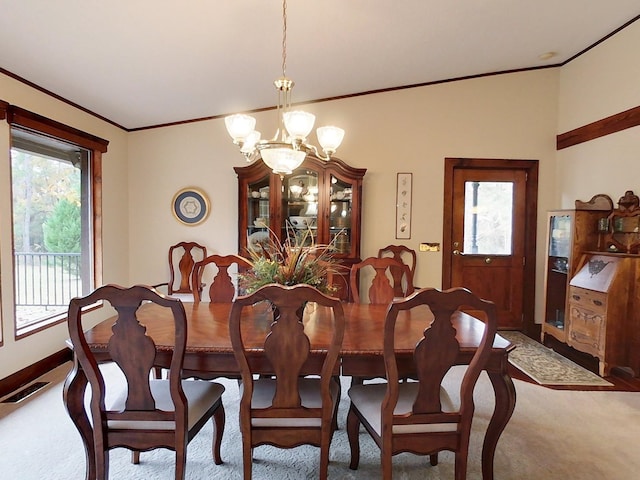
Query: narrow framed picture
pixel 190 206
pixel 404 185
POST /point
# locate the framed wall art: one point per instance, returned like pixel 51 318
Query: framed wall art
pixel 404 184
pixel 190 206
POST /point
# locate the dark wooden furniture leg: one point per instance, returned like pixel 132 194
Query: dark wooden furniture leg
pixel 505 393
pixel 73 395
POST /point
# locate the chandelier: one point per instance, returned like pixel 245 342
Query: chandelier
pixel 288 147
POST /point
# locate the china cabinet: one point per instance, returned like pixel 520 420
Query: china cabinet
pixel 321 201
pixel 569 234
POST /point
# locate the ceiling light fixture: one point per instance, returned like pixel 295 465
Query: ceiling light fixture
pixel 288 148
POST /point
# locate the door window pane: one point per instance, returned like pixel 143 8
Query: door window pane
pixel 488 218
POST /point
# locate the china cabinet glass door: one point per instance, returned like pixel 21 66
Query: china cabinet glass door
pixel 300 206
pixel 258 217
pixel 340 196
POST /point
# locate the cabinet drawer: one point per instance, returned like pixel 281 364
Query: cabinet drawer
pixel 589 299
pixel 586 330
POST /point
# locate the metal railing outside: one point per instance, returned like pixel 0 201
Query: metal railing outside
pixel 44 284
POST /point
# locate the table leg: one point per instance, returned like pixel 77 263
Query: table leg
pixel 73 395
pixel 505 393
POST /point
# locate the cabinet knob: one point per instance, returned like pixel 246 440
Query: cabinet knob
pixel 576 297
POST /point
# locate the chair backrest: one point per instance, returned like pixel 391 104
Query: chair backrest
pixel 405 255
pixel 381 291
pixel 135 353
pixel 222 289
pixel 286 348
pixel 435 354
pixel 182 258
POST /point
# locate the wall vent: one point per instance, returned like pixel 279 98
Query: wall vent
pixel 25 392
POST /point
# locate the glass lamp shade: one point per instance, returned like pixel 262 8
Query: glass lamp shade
pixel 250 141
pixel 240 126
pixel 299 124
pixel 282 160
pixel 330 138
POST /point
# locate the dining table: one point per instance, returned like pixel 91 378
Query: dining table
pixel 209 353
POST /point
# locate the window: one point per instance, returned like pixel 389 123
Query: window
pixel 488 222
pixel 55 185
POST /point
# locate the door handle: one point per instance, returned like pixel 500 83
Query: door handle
pixel 458 252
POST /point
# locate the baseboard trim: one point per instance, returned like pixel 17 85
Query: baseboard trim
pixel 28 374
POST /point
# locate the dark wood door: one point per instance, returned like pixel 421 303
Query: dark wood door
pixel 488 236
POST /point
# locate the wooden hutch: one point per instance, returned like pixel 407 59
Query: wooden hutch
pixel 324 197
pixel 592 289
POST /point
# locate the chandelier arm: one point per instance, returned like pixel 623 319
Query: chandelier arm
pixel 313 149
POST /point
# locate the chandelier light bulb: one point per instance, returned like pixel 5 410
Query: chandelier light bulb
pixel 240 126
pixel 330 138
pixel 299 124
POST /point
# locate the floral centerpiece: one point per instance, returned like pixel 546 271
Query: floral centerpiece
pixel 297 259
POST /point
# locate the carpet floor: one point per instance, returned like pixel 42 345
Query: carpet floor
pixel 553 434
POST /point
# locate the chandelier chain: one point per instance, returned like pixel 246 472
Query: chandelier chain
pixel 284 38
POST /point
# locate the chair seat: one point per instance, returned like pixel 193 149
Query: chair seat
pixel 184 297
pixel 200 396
pixel 265 388
pixel 368 399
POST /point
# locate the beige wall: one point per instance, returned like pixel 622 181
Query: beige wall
pixel 15 355
pixel 403 131
pixel 600 83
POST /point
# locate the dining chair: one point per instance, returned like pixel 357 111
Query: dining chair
pixel 134 410
pixel 182 258
pixel 403 254
pixel 381 291
pixel 421 416
pixel 285 408
pixel 222 288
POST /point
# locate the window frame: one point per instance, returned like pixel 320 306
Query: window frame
pixel 38 124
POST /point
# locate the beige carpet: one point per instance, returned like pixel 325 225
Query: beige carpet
pixel 553 435
pixel 547 367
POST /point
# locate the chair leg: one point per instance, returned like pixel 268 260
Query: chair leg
pixel 334 422
pixel 135 457
pixel 218 430
pixel 181 461
pixel 433 459
pixel 353 432
pixel 461 465
pixel 102 465
pixel 247 458
pixel 385 460
pixel 325 444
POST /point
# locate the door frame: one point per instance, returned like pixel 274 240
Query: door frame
pixel 530 225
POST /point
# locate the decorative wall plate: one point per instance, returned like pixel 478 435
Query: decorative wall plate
pixel 190 206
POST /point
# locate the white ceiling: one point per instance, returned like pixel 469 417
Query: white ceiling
pixel 141 63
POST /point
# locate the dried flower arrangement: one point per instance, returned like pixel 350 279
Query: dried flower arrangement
pixel 297 259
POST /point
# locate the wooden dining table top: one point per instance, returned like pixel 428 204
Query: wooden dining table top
pixel 208 328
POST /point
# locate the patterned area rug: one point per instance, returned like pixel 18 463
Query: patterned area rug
pixel 547 367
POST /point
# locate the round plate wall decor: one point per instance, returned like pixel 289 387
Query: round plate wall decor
pixel 190 206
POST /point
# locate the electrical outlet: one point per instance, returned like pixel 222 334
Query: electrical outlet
pixel 429 247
